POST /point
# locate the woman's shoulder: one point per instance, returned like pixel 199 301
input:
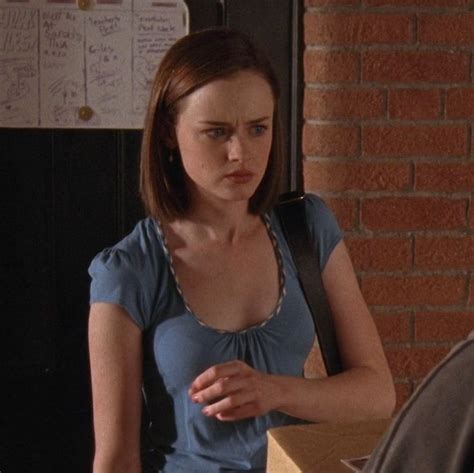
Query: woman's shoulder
pixel 322 225
pixel 137 250
pixel 318 212
pixel 129 272
pixel 316 207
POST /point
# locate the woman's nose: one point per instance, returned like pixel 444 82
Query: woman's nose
pixel 238 149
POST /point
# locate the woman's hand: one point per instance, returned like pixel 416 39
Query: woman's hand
pixel 234 391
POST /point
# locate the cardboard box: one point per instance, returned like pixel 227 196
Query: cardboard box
pixel 320 447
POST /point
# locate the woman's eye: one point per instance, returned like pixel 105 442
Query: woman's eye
pixel 216 132
pixel 258 130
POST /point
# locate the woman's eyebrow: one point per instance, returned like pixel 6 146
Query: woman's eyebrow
pixel 222 123
pixel 213 123
pixel 258 120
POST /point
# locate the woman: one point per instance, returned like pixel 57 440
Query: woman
pixel 200 304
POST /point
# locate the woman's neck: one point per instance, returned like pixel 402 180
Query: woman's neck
pixel 224 224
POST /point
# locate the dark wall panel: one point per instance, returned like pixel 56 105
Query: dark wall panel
pixel 28 304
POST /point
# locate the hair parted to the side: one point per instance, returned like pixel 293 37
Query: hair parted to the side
pixel 192 62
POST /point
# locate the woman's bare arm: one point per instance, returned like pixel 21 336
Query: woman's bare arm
pixel 364 390
pixel 116 370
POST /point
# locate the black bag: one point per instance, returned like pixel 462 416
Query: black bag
pixel 292 215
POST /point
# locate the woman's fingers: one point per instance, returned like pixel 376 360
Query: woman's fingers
pixel 220 388
pixel 230 402
pixel 216 372
pixel 239 413
pixel 233 391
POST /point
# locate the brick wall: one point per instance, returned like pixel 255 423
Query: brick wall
pixel 388 142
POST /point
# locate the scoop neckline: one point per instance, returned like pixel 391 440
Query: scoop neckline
pixel 281 279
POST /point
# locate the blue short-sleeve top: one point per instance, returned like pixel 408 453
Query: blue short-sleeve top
pixel 137 274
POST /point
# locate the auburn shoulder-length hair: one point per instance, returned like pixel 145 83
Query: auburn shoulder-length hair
pixel 192 62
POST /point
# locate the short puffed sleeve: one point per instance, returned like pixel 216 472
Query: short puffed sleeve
pixel 125 275
pixel 323 227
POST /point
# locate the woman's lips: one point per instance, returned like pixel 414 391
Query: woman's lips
pixel 240 177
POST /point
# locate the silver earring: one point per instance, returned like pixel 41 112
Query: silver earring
pixel 171 157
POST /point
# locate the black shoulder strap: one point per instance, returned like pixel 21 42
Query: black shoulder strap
pixel 292 215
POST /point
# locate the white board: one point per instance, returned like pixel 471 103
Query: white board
pixel 66 67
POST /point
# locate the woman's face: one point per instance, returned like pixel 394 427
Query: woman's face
pixel 224 135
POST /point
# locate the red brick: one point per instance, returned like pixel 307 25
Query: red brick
pixel 324 3
pixel 471 214
pixel 414 140
pixel 415 3
pixel 358 176
pixel 460 103
pixel 445 177
pixel 415 66
pixel 445 252
pixel 380 254
pixel 413 213
pixel 413 290
pixel 331 66
pixel 357 28
pixel 443 326
pixel 393 327
pixel 414 104
pixel 331 140
pixel 330 104
pixel 457 29
pixel 403 392
pixel 414 362
pixel 346 212
pixel 471 291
